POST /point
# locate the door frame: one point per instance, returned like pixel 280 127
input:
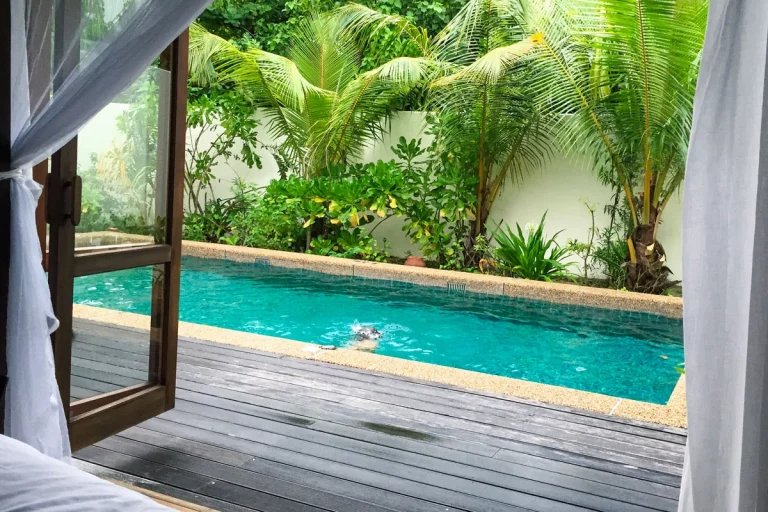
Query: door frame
pixel 5 195
pixel 98 417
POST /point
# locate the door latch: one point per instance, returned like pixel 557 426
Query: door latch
pixel 76 208
pixel 71 198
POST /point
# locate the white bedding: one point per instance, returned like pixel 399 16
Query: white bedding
pixel 33 482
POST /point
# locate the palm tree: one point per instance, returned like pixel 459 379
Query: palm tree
pixel 485 106
pixel 612 79
pixel 619 77
pixel 317 101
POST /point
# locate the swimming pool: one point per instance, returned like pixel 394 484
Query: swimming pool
pixel 618 353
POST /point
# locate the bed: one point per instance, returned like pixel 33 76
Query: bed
pixel 33 482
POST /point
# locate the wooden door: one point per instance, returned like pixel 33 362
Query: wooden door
pixel 101 396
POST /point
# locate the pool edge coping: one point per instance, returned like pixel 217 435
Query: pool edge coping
pixel 673 414
pixel 558 293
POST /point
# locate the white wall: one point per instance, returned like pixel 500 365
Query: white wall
pixel 100 134
pixel 559 189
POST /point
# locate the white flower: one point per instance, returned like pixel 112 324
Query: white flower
pixel 531 226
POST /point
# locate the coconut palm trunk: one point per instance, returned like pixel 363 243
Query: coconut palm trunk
pixel 618 80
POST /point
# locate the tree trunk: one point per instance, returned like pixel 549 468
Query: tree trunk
pixel 477 228
pixel 646 269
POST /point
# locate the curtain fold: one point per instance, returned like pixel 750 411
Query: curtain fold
pixel 725 237
pixel 97 55
pixel 129 44
pixel 34 413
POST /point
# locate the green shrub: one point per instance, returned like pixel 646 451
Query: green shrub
pixel 533 256
pixel 352 244
pixel 322 215
pixel 440 204
pixel 610 256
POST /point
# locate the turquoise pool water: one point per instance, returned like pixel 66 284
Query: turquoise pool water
pixel 623 354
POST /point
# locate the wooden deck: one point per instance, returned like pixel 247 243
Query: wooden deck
pixel 256 431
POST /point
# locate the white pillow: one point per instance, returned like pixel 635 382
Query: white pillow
pixel 33 482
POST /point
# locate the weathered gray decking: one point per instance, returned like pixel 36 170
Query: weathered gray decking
pixel 256 431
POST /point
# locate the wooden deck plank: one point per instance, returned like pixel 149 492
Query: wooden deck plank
pixel 237 475
pixel 447 499
pixel 569 414
pixel 468 398
pixel 381 393
pixel 257 431
pixel 475 398
pixel 182 385
pixel 316 479
pixel 177 477
pixel 514 477
pixel 568 476
pixel 421 467
pixel 166 501
pixel 636 455
pixel 157 487
pixel 649 449
pixel 507 443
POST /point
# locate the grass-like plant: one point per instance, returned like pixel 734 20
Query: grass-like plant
pixel 532 256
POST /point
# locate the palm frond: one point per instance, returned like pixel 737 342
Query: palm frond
pixel 480 25
pixel 619 75
pixel 324 54
pixel 370 99
pixel 494 65
pixel 361 21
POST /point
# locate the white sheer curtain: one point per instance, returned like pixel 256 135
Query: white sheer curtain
pixel 725 236
pixel 100 51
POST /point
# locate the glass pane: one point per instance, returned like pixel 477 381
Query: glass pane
pixel 122 160
pixel 117 332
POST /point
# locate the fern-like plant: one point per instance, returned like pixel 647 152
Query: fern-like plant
pixel 532 256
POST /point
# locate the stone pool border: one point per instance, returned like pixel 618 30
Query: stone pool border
pixel 559 293
pixel 673 414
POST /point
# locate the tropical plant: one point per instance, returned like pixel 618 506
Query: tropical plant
pixel 532 255
pixel 302 215
pixel 316 100
pixel 119 184
pixel 354 244
pixel 484 105
pixel 268 24
pixel 585 249
pixel 610 256
pixel 216 120
pixel 619 77
pixel 215 222
pixel 441 202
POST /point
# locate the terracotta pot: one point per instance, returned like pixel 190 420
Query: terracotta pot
pixel 415 261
